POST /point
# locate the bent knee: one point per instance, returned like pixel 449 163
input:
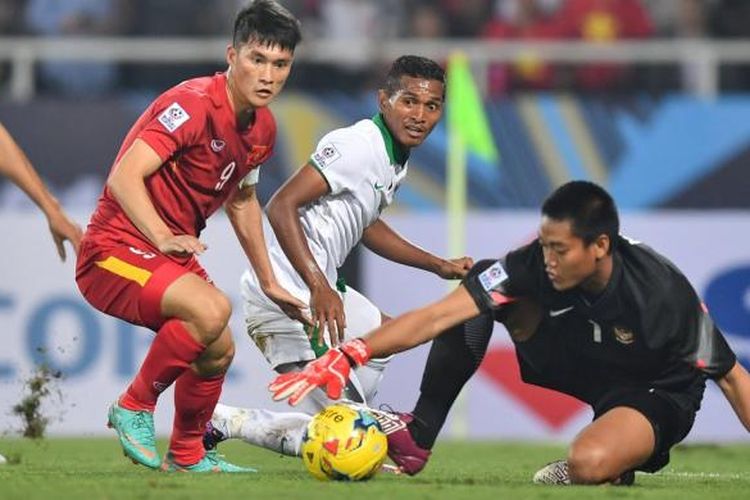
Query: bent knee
pixel 588 464
pixel 213 317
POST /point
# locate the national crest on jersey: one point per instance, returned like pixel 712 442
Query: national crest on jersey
pixel 256 155
pixel 623 335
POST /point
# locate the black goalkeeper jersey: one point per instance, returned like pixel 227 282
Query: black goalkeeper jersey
pixel 647 329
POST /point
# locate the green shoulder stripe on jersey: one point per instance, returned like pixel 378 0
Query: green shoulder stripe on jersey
pixel 397 154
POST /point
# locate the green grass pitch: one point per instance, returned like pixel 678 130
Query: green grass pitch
pixel 89 468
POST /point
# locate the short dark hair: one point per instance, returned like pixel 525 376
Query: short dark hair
pixel 589 208
pixel 414 66
pixel 268 23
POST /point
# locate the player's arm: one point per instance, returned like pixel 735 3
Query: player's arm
pixel 421 325
pixel 303 188
pixel 245 214
pixel 389 244
pixel 736 388
pixel 701 344
pixel 127 184
pixel 712 355
pixel 691 331
pixel 483 289
pixel 15 165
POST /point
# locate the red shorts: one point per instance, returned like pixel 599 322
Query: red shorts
pixel 129 282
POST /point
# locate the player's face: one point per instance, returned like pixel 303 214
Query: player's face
pixel 412 111
pixel 568 261
pixel 257 73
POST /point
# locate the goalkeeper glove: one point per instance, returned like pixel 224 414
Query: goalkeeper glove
pixel 330 371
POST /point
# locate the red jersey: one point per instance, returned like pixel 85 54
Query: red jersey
pixel 193 128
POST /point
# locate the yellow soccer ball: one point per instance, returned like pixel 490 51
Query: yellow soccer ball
pixel 344 443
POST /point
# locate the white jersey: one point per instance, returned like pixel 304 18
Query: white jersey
pixel 363 167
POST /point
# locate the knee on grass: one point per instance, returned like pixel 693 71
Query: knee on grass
pixel 590 464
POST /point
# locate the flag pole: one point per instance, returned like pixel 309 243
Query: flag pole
pixel 456 186
pixel 468 132
pixel 456 195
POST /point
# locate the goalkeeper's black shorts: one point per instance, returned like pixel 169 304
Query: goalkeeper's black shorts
pixel 543 361
pixel 670 422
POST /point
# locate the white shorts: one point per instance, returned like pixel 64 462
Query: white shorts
pixel 283 340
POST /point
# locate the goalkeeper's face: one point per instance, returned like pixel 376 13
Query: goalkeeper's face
pixel 257 72
pixel 413 110
pixel 569 261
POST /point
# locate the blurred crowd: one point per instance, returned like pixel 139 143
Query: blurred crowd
pixel 597 21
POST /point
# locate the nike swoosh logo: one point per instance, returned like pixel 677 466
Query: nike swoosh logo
pixel 559 312
pixel 378 186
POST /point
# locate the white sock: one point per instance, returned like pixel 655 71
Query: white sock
pixel 369 377
pixel 277 431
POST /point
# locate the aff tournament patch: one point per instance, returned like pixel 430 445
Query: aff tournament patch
pixel 326 155
pixel 173 117
pixel 493 276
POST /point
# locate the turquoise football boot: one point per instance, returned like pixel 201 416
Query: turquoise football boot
pixel 137 436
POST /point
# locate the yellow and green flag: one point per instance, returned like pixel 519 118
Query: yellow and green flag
pixel 466 118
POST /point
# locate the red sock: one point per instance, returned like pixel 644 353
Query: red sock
pixel 194 401
pixel 170 354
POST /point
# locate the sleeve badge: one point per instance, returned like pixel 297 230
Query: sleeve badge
pixel 492 277
pixel 173 117
pixel 326 155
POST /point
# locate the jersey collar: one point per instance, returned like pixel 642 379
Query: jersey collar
pixel 397 154
pixel 607 306
pixel 218 93
pixel 220 99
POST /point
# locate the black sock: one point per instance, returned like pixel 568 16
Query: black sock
pixel 453 359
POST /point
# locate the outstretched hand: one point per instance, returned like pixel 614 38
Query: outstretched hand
pixel 330 371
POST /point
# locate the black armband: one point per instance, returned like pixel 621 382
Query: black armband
pixel 486 283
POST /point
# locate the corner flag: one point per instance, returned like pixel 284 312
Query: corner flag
pixel 466 118
pixel 468 132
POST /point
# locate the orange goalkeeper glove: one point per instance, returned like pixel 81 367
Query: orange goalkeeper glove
pixel 330 371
